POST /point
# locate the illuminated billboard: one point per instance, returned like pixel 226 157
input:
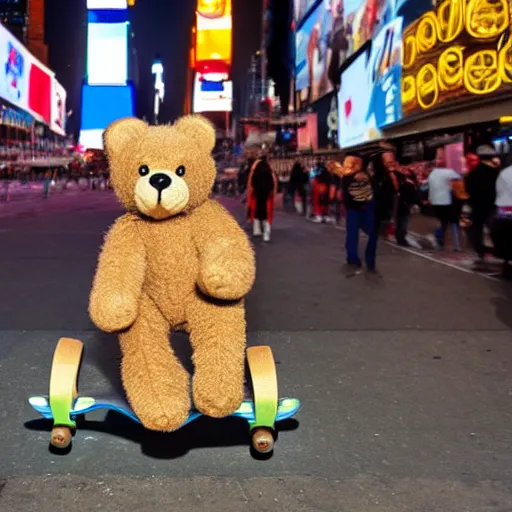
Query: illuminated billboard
pixel 301 7
pixel 107 4
pixel 24 81
pixel 212 96
pixel 459 51
pixel 107 53
pixel 369 96
pixel 101 106
pixel 213 32
pixel 332 32
pixel 58 122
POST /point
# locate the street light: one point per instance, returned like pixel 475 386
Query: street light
pixel 157 69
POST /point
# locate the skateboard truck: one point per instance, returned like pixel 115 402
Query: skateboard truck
pixel 63 403
pixel 262 369
pixel 64 390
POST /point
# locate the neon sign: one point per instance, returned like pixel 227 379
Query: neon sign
pixel 458 50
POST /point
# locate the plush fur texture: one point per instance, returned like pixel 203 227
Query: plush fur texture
pixel 176 259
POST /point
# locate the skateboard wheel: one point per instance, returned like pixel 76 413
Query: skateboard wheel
pixel 61 437
pixel 263 440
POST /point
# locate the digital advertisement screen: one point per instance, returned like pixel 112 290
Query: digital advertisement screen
pixel 107 53
pixel 212 96
pixel 301 7
pixel 460 51
pixel 40 93
pixel 102 105
pixel 59 96
pixel 214 38
pixel 369 96
pixel 330 34
pixel 107 4
pixel 24 81
pixel 15 66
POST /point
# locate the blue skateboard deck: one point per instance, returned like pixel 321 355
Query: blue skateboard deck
pixel 287 408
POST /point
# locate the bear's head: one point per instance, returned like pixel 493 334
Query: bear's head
pixel 161 171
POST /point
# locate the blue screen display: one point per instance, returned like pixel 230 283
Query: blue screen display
pixel 103 104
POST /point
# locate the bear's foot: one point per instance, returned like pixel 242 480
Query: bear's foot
pixel 216 397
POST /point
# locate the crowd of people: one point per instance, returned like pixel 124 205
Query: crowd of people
pixel 376 194
pixel 90 175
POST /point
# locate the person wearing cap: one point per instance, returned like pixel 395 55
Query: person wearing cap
pixel 481 187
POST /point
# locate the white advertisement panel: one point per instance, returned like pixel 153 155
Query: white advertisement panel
pixel 218 99
pixel 107 53
pixel 107 4
pixel 15 65
pixel 59 95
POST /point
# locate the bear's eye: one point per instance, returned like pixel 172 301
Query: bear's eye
pixel 143 170
pixel 180 171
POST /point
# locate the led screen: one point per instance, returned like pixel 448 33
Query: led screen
pixel 212 96
pixel 102 105
pixel 58 124
pixel 332 32
pixel 301 7
pixel 369 96
pixel 214 39
pixel 107 53
pixel 107 4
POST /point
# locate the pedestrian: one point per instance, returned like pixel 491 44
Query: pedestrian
pixel 440 187
pixel 501 224
pixel 481 188
pixel 298 186
pixel 358 196
pixel 320 188
pixel 261 192
pixel 385 185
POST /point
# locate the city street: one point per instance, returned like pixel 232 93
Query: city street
pixel 406 384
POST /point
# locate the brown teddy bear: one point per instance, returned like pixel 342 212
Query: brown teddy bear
pixel 175 260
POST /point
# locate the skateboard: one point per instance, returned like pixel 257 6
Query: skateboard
pixel 63 404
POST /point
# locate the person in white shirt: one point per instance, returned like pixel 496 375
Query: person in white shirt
pixel 501 225
pixel 440 182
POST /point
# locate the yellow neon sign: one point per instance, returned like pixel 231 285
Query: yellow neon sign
pixel 460 48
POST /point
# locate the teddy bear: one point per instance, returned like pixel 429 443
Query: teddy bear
pixel 176 260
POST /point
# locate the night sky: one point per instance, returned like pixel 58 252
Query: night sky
pixel 161 27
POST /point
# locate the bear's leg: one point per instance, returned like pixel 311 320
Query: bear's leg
pixel 156 383
pixel 217 335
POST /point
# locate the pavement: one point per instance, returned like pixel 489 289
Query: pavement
pixel 406 384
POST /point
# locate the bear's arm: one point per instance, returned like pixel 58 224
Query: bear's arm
pixel 117 285
pixel 227 260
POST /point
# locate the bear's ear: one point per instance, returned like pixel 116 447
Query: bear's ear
pixel 121 133
pixel 199 129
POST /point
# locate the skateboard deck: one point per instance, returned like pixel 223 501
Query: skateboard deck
pixel 63 404
pixel 287 408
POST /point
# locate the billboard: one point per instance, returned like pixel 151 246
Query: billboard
pixel 24 81
pixel 369 96
pixel 212 96
pixel 301 7
pixel 58 122
pixel 107 4
pixel 457 52
pixel 213 31
pixel 102 105
pixel 107 53
pixel 331 33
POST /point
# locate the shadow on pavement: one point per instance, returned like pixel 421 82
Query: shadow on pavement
pixel 201 433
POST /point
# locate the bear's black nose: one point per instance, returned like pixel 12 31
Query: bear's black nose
pixel 160 181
